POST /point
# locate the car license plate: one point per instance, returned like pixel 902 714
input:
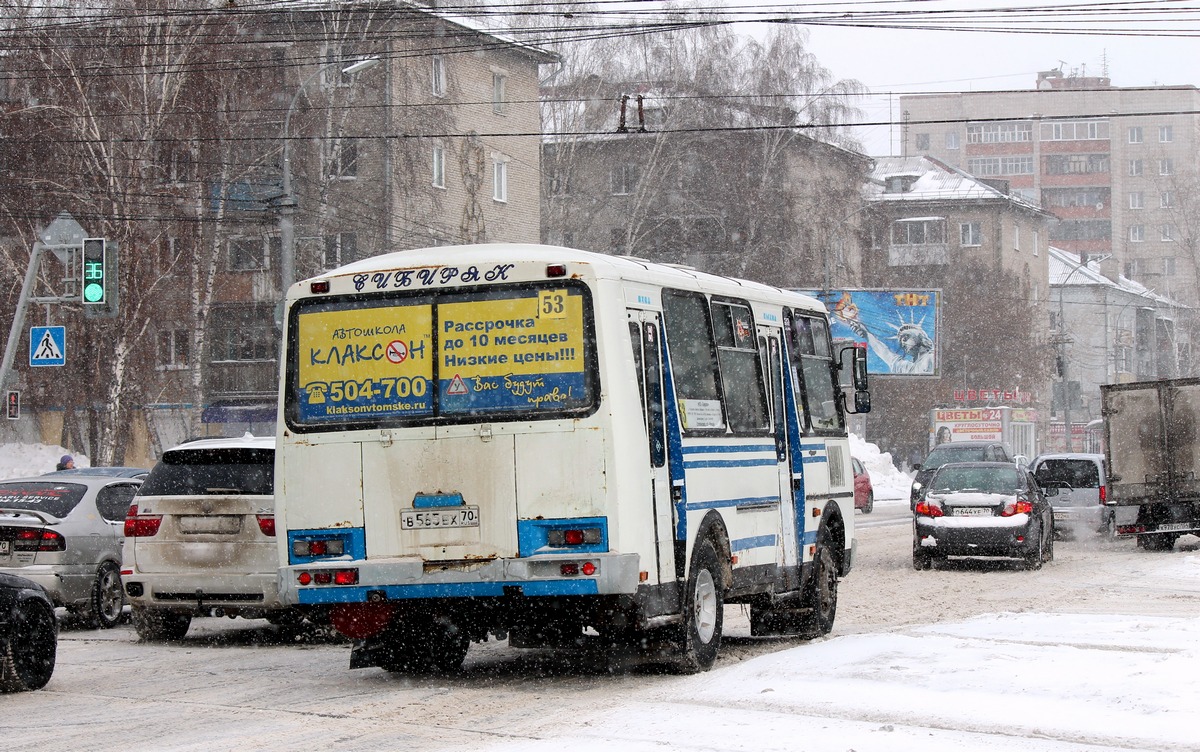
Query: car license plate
pixel 1062 515
pixel 427 519
pixel 1171 526
pixel 5 547
pixel 224 524
pixel 972 511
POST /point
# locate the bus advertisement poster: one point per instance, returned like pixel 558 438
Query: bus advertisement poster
pixel 512 354
pixel 365 362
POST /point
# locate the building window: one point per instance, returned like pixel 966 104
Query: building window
pixel 1137 233
pixel 248 253
pixel 996 133
pixel 1081 229
pixel 340 248
pixel 1166 134
pixel 240 333
pixel 342 159
pixel 624 179
pixel 1136 200
pixel 919 232
pixel 970 234
pixel 1037 241
pixel 500 178
pixel 952 140
pixel 1135 167
pixel 437 76
pixel 1166 233
pixel 336 60
pixel 1134 268
pixel 616 239
pixel 1169 266
pixel 1166 166
pixel 179 166
pixel 1075 164
pixel 1166 200
pixel 499 92
pixel 174 349
pixel 439 167
pixel 1135 134
pixel 1071 197
pixel 560 184
pixel 1016 237
pixel 1086 130
pixel 984 166
pixel 922 142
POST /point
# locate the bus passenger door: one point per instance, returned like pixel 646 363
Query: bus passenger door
pixel 790 493
pixel 645 332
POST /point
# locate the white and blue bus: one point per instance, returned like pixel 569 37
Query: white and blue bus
pixel 560 447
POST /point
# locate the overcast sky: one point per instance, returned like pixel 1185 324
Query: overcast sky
pixel 892 61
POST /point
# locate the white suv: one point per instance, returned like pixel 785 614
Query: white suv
pixel 200 538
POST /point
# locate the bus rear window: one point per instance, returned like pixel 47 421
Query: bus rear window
pixel 444 357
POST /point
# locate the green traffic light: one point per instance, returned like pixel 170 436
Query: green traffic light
pixel 93 293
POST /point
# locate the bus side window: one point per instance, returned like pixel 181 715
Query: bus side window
pixel 647 363
pixel 812 361
pixel 775 369
pixel 741 368
pixel 654 395
pixel 635 338
pixel 693 361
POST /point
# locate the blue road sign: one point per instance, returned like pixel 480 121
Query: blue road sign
pixel 47 345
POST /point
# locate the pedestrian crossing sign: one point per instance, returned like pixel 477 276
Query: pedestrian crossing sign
pixel 47 346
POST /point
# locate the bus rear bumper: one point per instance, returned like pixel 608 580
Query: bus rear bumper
pixel 406 578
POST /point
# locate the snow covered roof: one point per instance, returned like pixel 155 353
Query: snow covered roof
pixel 927 179
pixel 477 25
pixel 1066 271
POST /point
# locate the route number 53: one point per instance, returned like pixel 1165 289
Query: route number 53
pixel 552 304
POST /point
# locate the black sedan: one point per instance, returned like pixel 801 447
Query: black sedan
pixel 993 509
pixel 28 635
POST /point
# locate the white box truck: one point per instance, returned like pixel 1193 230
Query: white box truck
pixel 1150 430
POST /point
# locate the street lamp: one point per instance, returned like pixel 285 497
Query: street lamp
pixel 287 202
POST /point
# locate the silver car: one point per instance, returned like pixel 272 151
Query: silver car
pixel 65 534
pixel 1080 508
pixel 200 538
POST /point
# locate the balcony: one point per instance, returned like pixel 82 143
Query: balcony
pixel 242 380
pixel 924 254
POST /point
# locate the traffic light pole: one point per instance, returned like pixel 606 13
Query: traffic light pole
pixel 18 324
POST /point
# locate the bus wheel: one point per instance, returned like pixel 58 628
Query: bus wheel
pixel 420 645
pixel 703 612
pixel 822 592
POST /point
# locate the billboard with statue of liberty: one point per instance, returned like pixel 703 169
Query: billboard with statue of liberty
pixel 899 327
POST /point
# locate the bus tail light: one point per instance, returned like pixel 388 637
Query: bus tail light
pixel 141 525
pixel 328 577
pixel 319 287
pixel 562 537
pixel 311 548
pixel 556 270
pixel 266 523
pixel 574 568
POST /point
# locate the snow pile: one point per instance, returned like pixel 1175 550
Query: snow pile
pixel 886 480
pixel 24 460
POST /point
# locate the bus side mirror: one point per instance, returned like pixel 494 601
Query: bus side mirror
pixel 862 401
pixel 858 373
